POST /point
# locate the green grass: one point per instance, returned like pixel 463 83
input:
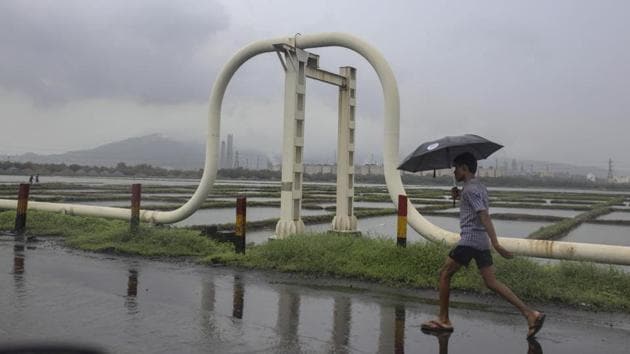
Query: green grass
pixel 105 235
pixel 573 283
pixel 377 260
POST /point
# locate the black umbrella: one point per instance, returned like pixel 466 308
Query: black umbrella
pixel 439 154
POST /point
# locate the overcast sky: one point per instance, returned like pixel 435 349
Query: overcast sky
pixel 547 79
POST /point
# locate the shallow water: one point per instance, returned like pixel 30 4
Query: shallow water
pixel 5 179
pixel 385 226
pixel 502 210
pixel 228 215
pixel 596 233
pixel 615 215
pixel 128 305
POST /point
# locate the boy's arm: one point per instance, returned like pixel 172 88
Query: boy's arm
pixel 487 223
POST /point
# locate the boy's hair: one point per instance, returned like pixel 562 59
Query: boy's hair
pixel 466 159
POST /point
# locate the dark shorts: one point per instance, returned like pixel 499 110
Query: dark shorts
pixel 463 254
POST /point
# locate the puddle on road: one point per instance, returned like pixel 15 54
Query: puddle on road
pixel 129 305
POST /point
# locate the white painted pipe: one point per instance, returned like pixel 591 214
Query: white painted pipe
pixel 525 247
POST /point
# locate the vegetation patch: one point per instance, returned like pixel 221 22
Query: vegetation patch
pixel 380 260
pixel 562 228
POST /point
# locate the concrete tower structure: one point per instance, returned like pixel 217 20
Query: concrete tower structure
pixel 222 156
pixel 229 160
pixel 299 65
pixel 293 142
pixel 344 219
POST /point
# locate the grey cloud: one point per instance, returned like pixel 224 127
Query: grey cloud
pixel 63 50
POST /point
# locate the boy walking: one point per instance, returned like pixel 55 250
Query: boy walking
pixel 477 234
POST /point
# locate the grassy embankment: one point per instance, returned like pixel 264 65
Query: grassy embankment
pixel 379 260
pixel 563 227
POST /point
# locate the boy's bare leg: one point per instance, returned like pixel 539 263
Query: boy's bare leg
pixel 489 277
pixel 449 268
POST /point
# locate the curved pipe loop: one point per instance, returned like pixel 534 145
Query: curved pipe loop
pixel 525 247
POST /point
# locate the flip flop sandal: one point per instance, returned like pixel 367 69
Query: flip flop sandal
pixel 536 326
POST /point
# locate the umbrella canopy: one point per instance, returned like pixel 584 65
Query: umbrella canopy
pixel 439 154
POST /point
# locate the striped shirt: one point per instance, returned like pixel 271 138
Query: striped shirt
pixel 474 198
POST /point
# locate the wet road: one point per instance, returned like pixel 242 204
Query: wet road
pixel 128 305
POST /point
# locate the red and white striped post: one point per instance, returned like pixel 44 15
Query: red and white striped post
pixel 401 235
pixel 22 206
pixel 241 220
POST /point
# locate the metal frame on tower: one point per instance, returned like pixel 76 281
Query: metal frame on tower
pixel 298 65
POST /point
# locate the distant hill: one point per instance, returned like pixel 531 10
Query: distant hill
pixel 156 150
pixel 160 151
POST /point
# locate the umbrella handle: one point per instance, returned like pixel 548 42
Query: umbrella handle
pixel 454 194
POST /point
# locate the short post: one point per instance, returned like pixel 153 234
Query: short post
pixel 241 220
pixel 134 221
pixel 22 206
pixel 401 236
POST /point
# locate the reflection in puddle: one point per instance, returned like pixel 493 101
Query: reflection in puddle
pixel 132 292
pixel 399 331
pixel 299 310
pixel 238 298
pixel 19 258
pixel 442 338
pixel 288 319
pixel 18 264
pixel 187 308
pixel 342 312
pixel 392 329
pixel 534 347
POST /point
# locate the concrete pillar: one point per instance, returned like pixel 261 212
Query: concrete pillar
pixel 344 219
pixel 293 144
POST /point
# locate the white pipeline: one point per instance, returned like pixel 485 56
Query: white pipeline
pixel 534 248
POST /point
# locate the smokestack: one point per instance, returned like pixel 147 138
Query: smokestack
pixel 230 152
